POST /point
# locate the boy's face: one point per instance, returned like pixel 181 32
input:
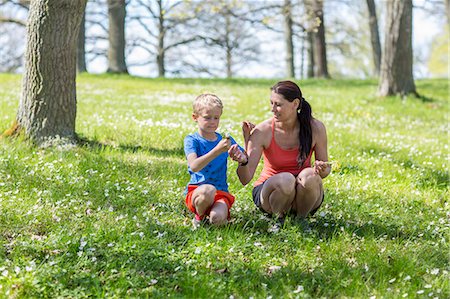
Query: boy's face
pixel 208 119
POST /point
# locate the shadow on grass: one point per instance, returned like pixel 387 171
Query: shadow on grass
pixel 96 145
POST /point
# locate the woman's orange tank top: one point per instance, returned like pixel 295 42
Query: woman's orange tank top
pixel 277 160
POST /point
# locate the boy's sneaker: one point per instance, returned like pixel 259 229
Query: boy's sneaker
pixel 196 222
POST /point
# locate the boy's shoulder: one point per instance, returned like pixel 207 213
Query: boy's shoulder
pixel 194 135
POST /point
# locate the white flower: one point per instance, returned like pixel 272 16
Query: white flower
pixel 407 278
pixel 420 291
pixel 392 280
pixel 435 271
pixel 299 289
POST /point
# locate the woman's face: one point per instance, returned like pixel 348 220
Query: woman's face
pixel 281 108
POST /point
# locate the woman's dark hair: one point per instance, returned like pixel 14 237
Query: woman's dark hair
pixel 290 91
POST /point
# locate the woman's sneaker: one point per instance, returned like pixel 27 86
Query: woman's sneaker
pixel 277 226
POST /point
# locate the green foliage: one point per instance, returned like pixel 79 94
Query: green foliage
pixel 438 63
pixel 107 219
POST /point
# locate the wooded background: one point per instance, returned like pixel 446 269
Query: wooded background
pixel 227 38
pixel 202 38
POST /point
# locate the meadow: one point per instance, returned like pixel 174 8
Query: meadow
pixel 106 219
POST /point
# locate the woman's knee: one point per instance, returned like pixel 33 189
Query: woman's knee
pixel 284 183
pixel 308 179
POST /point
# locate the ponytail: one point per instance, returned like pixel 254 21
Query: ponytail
pixel 304 116
pixel 291 91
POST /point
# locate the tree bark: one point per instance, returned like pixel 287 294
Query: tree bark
pixel 81 52
pixel 320 49
pixel 397 60
pixel 47 108
pixel 374 36
pixel 290 70
pixel 160 56
pixel 116 51
pixel 311 62
pixel 314 9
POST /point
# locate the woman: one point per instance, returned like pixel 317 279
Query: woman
pixel 287 141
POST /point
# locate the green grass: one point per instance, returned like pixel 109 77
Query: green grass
pixel 107 219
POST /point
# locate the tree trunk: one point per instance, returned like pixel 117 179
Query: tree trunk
pixel 310 73
pixel 229 54
pixel 374 36
pixel 47 108
pixel 290 70
pixel 320 49
pixel 116 51
pixel 81 53
pixel 397 64
pixel 160 56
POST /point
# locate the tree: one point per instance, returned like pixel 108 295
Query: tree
pixel 314 8
pixel 116 33
pixel 374 36
pixel 47 107
pixel 162 27
pixel 81 52
pixel 287 11
pixel 227 36
pixel 396 75
pixel 13 23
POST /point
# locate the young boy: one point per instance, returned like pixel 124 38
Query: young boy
pixel 207 152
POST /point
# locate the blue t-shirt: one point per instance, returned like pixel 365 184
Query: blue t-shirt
pixel 215 172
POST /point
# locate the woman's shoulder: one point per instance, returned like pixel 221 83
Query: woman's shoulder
pixel 261 134
pixel 317 127
pixel 264 125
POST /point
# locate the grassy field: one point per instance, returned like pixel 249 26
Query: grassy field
pixel 107 219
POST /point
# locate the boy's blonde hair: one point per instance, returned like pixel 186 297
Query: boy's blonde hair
pixel 206 100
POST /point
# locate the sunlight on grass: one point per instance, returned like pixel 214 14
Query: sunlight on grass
pixel 107 218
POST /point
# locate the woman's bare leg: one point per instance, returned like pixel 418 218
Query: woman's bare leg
pixel 309 192
pixel 278 193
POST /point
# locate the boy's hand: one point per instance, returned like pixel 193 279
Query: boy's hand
pixel 224 145
pixel 237 155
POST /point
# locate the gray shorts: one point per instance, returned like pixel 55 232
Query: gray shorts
pixel 256 193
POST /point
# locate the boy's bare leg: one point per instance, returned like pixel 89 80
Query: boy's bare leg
pixel 219 213
pixel 203 198
pixel 309 192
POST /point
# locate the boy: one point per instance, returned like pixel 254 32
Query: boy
pixel 206 153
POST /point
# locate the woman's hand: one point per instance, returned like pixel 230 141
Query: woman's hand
pixel 237 155
pixel 247 128
pixel 322 168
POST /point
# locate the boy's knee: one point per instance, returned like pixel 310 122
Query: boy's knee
pixel 217 218
pixel 202 201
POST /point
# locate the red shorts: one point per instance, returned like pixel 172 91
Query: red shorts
pixel 220 195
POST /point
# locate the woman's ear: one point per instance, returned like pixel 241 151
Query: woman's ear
pixel 299 103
